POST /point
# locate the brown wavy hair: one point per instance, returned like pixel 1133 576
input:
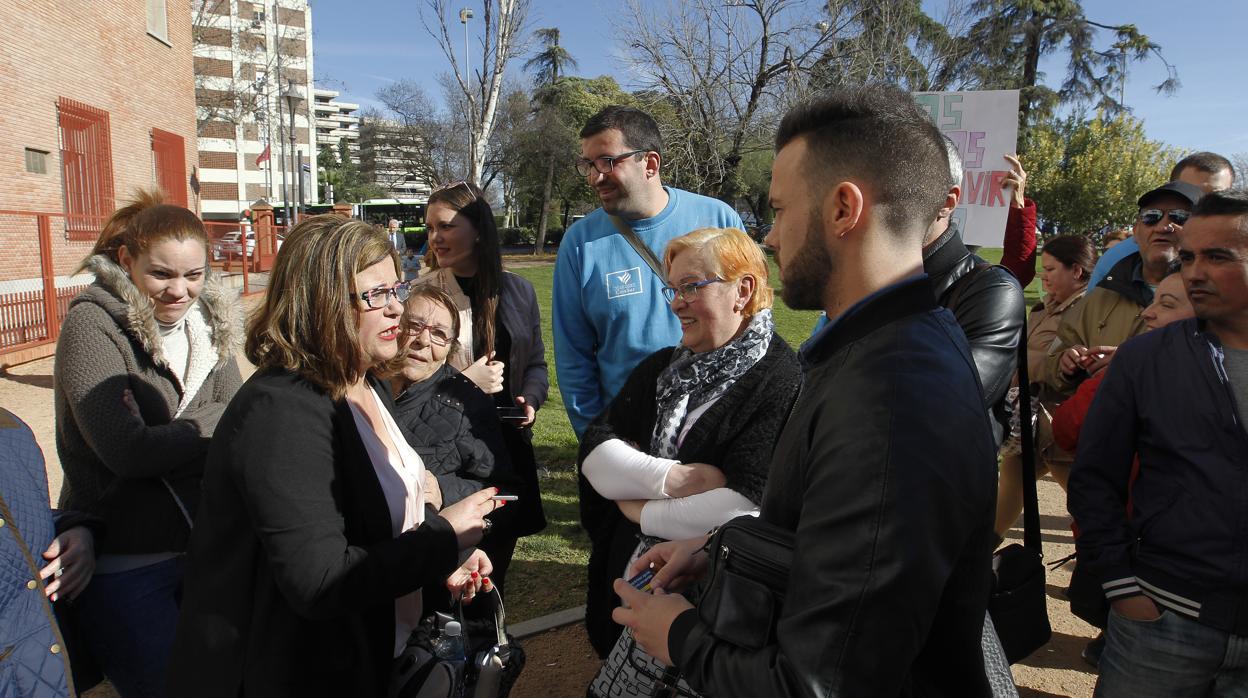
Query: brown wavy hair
pixel 308 323
pixel 468 199
pixel 144 221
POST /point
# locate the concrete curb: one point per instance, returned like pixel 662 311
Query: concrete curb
pixel 550 621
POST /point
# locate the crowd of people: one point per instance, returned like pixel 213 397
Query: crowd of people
pixel 288 535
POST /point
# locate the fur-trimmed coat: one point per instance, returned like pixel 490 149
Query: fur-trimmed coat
pixel 118 467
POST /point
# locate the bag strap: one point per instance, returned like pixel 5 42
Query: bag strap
pixel 1031 503
pixel 638 246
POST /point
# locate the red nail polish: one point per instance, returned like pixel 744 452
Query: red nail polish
pixel 486 581
pixel 474 575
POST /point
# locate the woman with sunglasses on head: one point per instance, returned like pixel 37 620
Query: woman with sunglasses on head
pixel 499 343
pixel 144 367
pixel 686 444
pixel 313 539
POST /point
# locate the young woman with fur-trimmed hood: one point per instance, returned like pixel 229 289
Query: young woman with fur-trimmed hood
pixel 144 369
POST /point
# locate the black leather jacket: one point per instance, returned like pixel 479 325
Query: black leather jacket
pixel 887 474
pixel 989 308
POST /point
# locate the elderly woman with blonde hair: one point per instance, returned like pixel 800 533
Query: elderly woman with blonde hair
pixel 686 443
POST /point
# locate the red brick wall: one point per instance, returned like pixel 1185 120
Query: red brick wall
pixel 112 64
pixel 217 160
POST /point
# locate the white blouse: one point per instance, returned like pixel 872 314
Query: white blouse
pixel 402 483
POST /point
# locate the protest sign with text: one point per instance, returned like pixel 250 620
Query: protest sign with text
pixel 984 128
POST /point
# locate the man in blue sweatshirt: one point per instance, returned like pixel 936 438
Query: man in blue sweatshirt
pixel 609 309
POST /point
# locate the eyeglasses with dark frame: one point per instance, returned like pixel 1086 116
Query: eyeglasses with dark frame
pixel 438 334
pixel 378 298
pixel 604 164
pixel 688 292
pixel 1152 216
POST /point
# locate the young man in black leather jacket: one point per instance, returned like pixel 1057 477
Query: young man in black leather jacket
pixel 891 508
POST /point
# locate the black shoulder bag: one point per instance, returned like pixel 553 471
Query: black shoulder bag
pixel 1018 606
pixel 744 593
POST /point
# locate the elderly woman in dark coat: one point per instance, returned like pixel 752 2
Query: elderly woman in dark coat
pixel 450 422
pixel 685 446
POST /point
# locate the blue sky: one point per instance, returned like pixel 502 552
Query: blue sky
pixel 360 45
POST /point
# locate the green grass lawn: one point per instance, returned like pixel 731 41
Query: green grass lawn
pixel 548 572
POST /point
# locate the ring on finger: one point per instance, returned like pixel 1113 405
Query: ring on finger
pixel 486 525
pixel 59 571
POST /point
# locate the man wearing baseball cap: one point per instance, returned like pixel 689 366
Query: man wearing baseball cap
pixel 1110 313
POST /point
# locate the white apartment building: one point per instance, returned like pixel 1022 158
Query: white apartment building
pixel 250 58
pixel 335 121
pixel 382 147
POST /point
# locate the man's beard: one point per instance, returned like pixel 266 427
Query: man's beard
pixel 806 276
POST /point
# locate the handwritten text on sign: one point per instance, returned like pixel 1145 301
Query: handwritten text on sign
pixel 984 128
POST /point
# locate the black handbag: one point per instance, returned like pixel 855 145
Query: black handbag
pixel 1018 604
pixel 489 673
pixel 742 598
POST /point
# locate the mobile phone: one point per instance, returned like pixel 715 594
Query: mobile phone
pixel 512 414
pixel 642 580
pixel 505 498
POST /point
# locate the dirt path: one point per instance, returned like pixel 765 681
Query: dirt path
pixel 561 663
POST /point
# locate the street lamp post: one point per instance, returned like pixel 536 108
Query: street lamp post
pixel 292 103
pixel 465 14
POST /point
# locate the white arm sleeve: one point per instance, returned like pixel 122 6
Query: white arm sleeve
pixel 688 517
pixel 619 471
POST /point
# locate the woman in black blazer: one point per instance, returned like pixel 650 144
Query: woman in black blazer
pixel 312 539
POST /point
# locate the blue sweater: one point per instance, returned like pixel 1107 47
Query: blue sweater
pixel 609 311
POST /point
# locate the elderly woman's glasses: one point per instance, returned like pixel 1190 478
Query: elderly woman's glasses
pixel 438 334
pixel 604 164
pixel 688 292
pixel 378 297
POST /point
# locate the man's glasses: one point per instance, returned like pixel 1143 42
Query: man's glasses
pixel 378 297
pixel 604 164
pixel 688 292
pixel 438 334
pixel 1153 216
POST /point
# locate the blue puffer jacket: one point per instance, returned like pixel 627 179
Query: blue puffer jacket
pixel 33 661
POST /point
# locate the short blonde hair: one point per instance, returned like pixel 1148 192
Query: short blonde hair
pixel 307 323
pixel 732 255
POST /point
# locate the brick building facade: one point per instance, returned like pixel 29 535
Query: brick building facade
pixel 249 55
pixel 99 102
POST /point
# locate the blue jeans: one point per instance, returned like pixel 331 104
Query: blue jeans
pixel 1171 657
pixel 127 621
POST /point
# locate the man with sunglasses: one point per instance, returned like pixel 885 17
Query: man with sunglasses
pixel 1110 313
pixel 1209 171
pixel 609 312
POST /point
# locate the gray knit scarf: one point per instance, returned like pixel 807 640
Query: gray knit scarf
pixel 692 380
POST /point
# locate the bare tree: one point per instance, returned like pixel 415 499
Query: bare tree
pixel 482 89
pixel 419 142
pixel 1240 162
pixel 248 91
pixel 723 71
pixel 898 42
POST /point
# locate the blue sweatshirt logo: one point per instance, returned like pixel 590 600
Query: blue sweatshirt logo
pixel 626 282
